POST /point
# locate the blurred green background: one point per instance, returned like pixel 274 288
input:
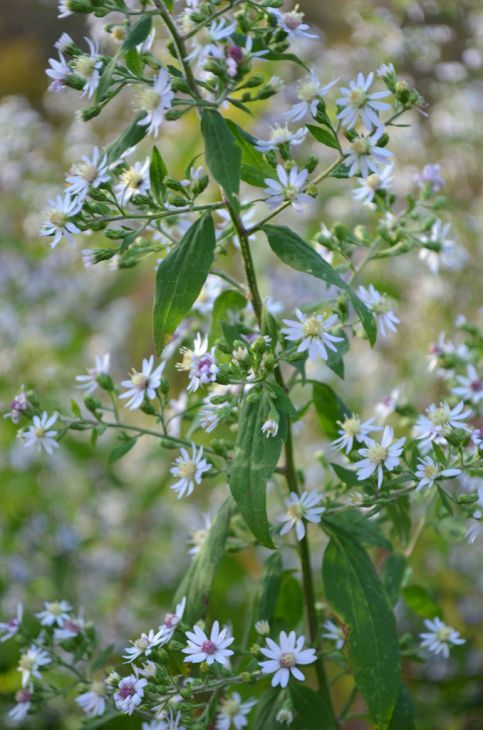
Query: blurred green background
pixel 111 539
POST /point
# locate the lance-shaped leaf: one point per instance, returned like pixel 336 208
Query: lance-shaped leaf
pixel 356 594
pixel 270 586
pixel 180 278
pixel 198 581
pixel 330 408
pixel 254 463
pixel 129 138
pixel 157 172
pixel 403 717
pixel 310 709
pixel 297 254
pixel 254 168
pixel 138 33
pixel 223 156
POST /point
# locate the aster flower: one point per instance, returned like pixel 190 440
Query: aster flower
pixel 31 662
pixel 70 628
pixel 89 173
pixel 142 384
pixel 88 382
pixel 190 470
pixel 386 69
pixel 58 72
pixel 368 186
pixel 334 633
pixel 155 100
pixel 387 405
pixel 477 437
pixel 57 223
pixel 270 427
pixel 284 716
pixel 313 334
pixel 430 174
pixel 379 456
pixel 130 693
pixel 92 702
pixel 54 613
pixel 470 386
pixel 365 155
pixel 63 42
pixel 144 645
pixel 284 657
pixel 380 307
pixel 64 9
pixel 133 181
pixel 353 429
pixel 206 42
pixel 200 363
pixel 23 698
pixel 309 92
pixel 438 423
pixel 292 23
pixel 441 251
pixel 428 472
pixel 200 648
pixel 198 537
pixel 300 509
pixel 40 433
pixel 169 720
pixel 10 628
pixel 440 637
pixel 88 66
pixel 262 627
pixel 171 620
pixel 280 135
pixel 18 406
pixel 357 103
pixel 233 712
pixel 288 188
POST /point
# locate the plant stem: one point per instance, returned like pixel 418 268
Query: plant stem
pixel 180 47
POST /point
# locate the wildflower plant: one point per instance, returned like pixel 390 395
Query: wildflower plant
pixel 250 376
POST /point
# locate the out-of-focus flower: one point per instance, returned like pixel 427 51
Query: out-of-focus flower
pixel 30 663
pixel 440 637
pixel 441 251
pixel 334 633
pixel 380 307
pixel 155 100
pixel 57 223
pixel 93 702
pixel 40 433
pixel 430 174
pixel 233 712
pixel 190 470
pixel 11 627
pixel 428 472
pixel 300 509
pixel 88 382
pixel 54 613
pixel 130 693
pixel 470 386
pixel 438 423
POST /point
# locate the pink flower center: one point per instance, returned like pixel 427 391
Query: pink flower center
pixel 475 386
pixel 170 620
pixel 287 660
pixel 208 647
pixel 127 691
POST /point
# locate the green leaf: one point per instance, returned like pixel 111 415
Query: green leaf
pixel 254 168
pixel 226 305
pixel 347 476
pixel 365 531
pixel 180 278
pixel 289 608
pixel 223 156
pixel 197 583
pixel 403 717
pixel 419 601
pixel 271 581
pixel 399 512
pixel 330 409
pixel 311 712
pixel 106 76
pixel 267 708
pixel 297 254
pixel 131 136
pixel 133 62
pixel 393 573
pixel 254 462
pixel 121 450
pixel 356 594
pixel 138 33
pixel 157 172
pixel 323 135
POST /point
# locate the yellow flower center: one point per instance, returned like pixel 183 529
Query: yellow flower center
pixel 288 660
pixel 149 100
pixel 295 511
pixel 308 91
pixel 84 66
pixel 360 146
pixel 139 380
pixel 430 471
pixel 141 644
pixel 26 662
pixel 131 178
pixel 440 416
pixel 39 432
pixel 187 469
pixel 376 453
pixel 230 707
pixel 56 217
pixel 373 182
pixel 351 426
pixel 311 327
pixel 88 172
pixel 357 97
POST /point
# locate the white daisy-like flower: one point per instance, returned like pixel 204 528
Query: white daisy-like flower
pixel 200 363
pixel 130 693
pixel 284 716
pixel 144 645
pixel 171 620
pixel 233 712
pixel 309 91
pixel 89 173
pixel 313 334
pixel 428 472
pixel 23 698
pixel 133 181
pixel 198 536
pixel 365 155
pixel 284 657
pixel 380 307
pixel 200 648
pixel 477 437
pixel 300 509
pixel 440 637
pixel 292 23
pixel 281 134
pixel 288 188
pixel 59 71
pixel 470 386
pixel 380 456
pixel 270 427
pixel 70 628
pixel 12 625
pixel 88 382
pixel 385 69
pixel 92 702
pixel 30 663
pixel 206 42
pixel 438 423
pixel 142 384
pixel 190 470
pixel 18 406
pixel 368 186
pixel 353 429
pixel 40 433
pixel 430 174
pixel 155 100
pixel 88 66
pixel 54 613
pixel 57 223
pixel 262 627
pixel 440 251
pixel 64 9
pixel 334 633
pixel 63 42
pixel 358 102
